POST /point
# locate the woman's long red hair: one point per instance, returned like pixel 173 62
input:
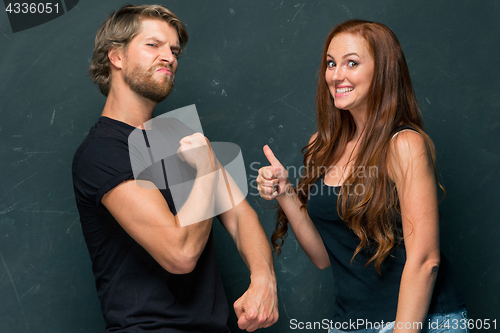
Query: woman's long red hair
pixel 374 216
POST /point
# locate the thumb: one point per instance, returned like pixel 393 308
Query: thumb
pixel 270 157
pixel 238 309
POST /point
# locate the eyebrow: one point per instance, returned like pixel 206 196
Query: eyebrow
pixel 346 55
pixel 350 54
pixel 156 39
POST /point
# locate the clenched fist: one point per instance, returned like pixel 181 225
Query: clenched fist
pixel 195 150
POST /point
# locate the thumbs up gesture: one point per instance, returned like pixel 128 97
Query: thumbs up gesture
pixel 272 180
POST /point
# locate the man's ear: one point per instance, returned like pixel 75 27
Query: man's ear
pixel 116 56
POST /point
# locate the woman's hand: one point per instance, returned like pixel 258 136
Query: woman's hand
pixel 273 180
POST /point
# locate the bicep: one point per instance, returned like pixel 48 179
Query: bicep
pixel 144 214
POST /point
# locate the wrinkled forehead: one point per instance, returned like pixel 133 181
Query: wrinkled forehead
pixel 157 28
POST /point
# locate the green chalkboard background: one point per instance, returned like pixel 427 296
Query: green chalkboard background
pixel 250 67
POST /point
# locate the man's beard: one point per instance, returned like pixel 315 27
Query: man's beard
pixel 141 81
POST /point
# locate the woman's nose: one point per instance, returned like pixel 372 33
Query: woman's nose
pixel 337 75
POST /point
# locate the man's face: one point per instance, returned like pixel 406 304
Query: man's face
pixel 150 60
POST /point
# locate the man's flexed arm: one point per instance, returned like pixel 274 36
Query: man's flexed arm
pixel 145 216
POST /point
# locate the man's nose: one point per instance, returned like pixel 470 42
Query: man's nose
pixel 167 56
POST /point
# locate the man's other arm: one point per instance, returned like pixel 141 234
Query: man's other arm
pixel 258 306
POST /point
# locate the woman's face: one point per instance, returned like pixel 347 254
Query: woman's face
pixel 349 71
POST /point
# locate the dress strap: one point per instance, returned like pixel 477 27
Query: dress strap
pixel 401 128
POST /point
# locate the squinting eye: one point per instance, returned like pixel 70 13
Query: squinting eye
pixel 330 64
pixel 153 45
pixel 352 64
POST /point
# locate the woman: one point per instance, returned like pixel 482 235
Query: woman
pixel 367 202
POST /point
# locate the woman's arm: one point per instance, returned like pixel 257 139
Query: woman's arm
pixel 304 229
pixel 273 183
pixel 413 173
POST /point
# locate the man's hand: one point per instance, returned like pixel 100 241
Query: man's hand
pixel 258 306
pixel 195 150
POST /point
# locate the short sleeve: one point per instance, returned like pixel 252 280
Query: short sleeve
pixel 101 165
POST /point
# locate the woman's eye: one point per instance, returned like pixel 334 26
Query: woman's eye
pixel 330 64
pixel 351 63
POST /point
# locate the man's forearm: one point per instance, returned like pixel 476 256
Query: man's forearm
pixel 253 244
pixel 258 306
pixel 194 219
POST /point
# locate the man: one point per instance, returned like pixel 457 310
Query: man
pixel 151 273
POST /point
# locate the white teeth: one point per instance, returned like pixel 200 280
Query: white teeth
pixel 344 90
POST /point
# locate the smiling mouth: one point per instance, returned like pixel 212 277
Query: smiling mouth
pixel 343 90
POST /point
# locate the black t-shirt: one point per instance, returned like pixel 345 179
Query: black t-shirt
pixel 360 292
pixel 136 293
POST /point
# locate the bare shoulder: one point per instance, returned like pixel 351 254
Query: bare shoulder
pixel 311 140
pixel 313 137
pixel 407 144
pixel 407 152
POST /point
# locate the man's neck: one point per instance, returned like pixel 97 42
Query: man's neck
pixel 128 107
